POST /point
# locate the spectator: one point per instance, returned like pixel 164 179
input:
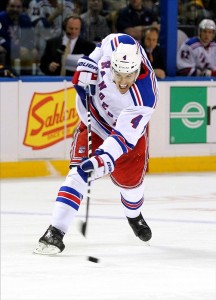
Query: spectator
pixel 106 7
pixel 116 5
pixel 34 11
pixel 3 52
pixel 41 26
pixel 55 11
pixel 83 4
pixel 197 56
pixel 78 7
pixel 96 27
pixel 153 51
pixel 134 18
pixel 62 53
pixel 25 5
pixel 113 15
pixel 211 6
pixel 17 37
pixel 193 12
pixel 149 4
pixel 4 72
pixel 46 17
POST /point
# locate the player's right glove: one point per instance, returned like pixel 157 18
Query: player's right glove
pixel 102 163
pixel 205 72
pixel 85 75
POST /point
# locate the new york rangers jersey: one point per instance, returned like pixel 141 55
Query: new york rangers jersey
pixel 120 119
pixel 192 55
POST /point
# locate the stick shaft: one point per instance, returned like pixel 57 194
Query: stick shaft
pixel 89 155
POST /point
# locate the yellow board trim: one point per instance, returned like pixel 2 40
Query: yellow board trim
pixel 34 168
pixel 182 164
pixel 61 167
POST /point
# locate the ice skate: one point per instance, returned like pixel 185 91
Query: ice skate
pixel 140 228
pixel 51 242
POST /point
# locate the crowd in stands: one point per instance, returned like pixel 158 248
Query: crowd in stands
pixel 47 37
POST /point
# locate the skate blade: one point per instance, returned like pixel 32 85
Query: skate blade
pixel 43 249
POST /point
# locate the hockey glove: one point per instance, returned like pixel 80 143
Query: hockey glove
pixel 198 72
pixel 102 163
pixel 86 74
pixel 207 73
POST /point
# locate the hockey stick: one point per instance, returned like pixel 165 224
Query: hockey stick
pixel 84 224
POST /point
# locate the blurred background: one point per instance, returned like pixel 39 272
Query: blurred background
pixel 27 25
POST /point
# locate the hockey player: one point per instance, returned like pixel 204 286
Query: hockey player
pixel 196 56
pixel 124 93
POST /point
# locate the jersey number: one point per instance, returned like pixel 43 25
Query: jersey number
pixel 185 54
pixel 135 121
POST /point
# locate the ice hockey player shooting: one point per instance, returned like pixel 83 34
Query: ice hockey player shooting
pixel 123 95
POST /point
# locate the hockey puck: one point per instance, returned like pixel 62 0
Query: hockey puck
pixel 93 259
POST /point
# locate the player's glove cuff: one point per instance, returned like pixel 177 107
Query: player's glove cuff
pixel 98 165
pixel 85 75
pixel 87 64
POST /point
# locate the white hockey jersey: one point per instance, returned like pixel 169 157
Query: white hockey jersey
pixel 43 9
pixel 120 119
pixel 192 55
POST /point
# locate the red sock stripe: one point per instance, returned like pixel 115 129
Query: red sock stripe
pixel 69 196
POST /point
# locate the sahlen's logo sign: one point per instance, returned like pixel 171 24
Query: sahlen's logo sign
pixel 52 117
pixel 192 115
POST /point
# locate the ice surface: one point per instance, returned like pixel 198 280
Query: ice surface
pixel 179 264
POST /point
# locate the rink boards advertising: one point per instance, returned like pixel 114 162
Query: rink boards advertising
pixel 192 115
pixel 38 119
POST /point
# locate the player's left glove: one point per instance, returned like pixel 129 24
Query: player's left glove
pixel 102 163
